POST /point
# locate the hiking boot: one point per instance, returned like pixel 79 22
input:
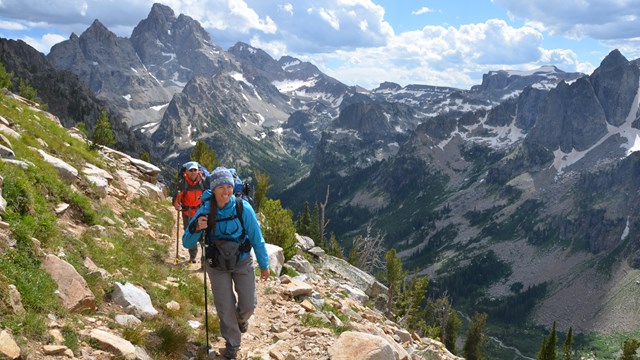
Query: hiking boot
pixel 244 326
pixel 230 353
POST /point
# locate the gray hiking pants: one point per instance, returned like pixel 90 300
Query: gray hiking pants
pixel 231 310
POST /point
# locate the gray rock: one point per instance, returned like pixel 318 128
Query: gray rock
pixel 6 152
pixel 65 170
pixel 360 279
pixel 305 242
pixel 135 300
pixel 127 320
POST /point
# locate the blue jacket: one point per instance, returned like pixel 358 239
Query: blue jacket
pixel 231 229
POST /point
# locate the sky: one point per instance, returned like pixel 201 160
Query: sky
pixel 367 42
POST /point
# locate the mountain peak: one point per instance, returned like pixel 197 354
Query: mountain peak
pixel 615 58
pixel 161 12
pixel 97 33
pixel 96 25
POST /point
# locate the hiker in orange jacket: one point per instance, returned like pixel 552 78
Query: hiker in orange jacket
pixel 191 185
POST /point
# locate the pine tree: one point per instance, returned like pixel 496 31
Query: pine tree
pixel 452 328
pixel 102 134
pixel 205 156
pixel 278 228
pixel 262 186
pixel 394 276
pixel 334 248
pixel 144 156
pixel 548 348
pixel 568 342
pixel 411 306
pixel 303 224
pixel 315 232
pixel 475 337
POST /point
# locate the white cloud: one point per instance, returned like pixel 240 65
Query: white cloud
pixel 45 43
pixel 11 25
pixel 287 8
pixel 598 19
pixel 446 56
pixel 421 11
pixel 330 17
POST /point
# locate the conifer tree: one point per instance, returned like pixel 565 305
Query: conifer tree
pixel 548 348
pixel 278 228
pixel 568 342
pixel 411 306
pixel 303 223
pixel 334 248
pixel 144 156
pixel 205 156
pixel 262 186
pixel 452 328
pixel 102 134
pixel 315 232
pixel 475 337
pixel 394 276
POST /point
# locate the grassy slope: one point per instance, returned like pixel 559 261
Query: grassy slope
pixel 133 254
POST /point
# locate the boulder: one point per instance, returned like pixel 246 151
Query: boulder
pixel 73 289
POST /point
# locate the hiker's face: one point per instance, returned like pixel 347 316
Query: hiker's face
pixel 222 194
pixel 192 174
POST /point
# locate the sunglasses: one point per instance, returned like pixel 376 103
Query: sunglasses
pixel 193 170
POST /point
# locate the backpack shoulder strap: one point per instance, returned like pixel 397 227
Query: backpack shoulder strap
pixel 211 222
pixel 239 209
pixel 245 244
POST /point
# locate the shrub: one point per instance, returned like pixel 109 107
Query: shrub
pixel 26 90
pixel 278 228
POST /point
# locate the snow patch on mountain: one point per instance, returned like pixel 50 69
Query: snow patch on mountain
pixel 288 86
pixel 159 107
pixel 289 65
pixel 626 130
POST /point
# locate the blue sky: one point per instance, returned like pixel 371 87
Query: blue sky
pixel 366 42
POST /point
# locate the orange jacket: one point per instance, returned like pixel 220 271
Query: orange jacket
pixel 189 194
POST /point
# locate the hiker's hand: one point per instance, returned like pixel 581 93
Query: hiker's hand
pixel 178 207
pixel 264 274
pixel 202 222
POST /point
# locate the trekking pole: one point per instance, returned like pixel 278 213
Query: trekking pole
pixel 206 305
pixel 177 234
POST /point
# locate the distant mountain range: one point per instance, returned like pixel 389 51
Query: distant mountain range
pixel 521 190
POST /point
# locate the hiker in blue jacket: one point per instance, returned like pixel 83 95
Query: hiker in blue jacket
pixel 228 257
